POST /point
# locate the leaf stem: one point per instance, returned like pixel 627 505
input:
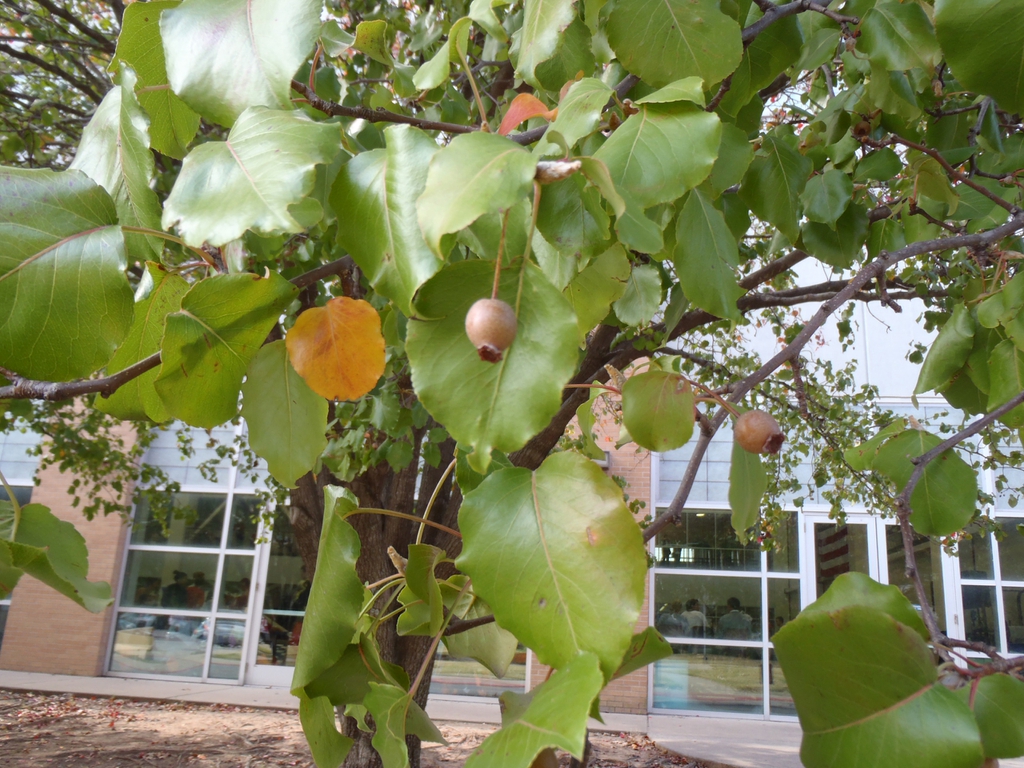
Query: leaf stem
pixel 403 516
pixel 476 91
pixel 14 503
pixel 385 580
pixel 714 396
pixel 595 385
pixel 501 251
pixel 529 242
pixel 433 498
pixel 170 238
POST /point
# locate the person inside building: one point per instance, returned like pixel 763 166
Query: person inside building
pixel 735 625
pixel 670 621
pixel 175 594
pixel 696 621
pixel 198 591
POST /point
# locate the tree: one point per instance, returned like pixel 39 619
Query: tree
pixel 361 181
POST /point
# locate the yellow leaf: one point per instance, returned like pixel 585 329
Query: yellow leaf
pixel 338 349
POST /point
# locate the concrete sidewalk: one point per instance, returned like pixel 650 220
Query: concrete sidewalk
pixel 730 742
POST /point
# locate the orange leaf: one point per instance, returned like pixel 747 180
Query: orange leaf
pixel 523 107
pixel 338 349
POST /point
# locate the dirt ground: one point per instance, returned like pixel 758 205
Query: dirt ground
pixel 82 732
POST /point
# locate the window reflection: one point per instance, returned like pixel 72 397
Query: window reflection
pixel 169 580
pixel 979 614
pixel 454 676
pixel 1013 607
pixel 839 549
pixel 779 698
pixel 228 639
pixel 285 598
pixel 245 512
pixel 197 521
pixel 705 540
pixel 975 555
pixel 783 603
pixel 723 607
pixel 712 678
pixel 235 583
pixel 785 556
pixel 162 645
pixel 1011 549
pixel 929 565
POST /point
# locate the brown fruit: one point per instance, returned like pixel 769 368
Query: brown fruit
pixel 546 759
pixel 491 326
pixel 758 432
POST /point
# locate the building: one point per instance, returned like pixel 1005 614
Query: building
pixel 220 597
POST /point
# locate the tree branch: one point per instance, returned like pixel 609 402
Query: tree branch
pixel 85 29
pixel 81 85
pixel 776 12
pixel 458 626
pixel 29 389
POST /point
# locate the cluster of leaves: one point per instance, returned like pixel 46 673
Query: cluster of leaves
pixel 305 268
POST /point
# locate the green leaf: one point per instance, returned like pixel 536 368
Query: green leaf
pixel 328 746
pixel 949 351
pixel 209 342
pixel 774 182
pixel 861 457
pixel 880 165
pixel 372 39
pixel 287 420
pixel 334 39
pixel 347 681
pixel 55 229
pixel 139 45
pixel 482 12
pixel 571 218
pixel 585 419
pixel 769 54
pixel 860 589
pixel 734 157
pixel 899 36
pixel 676 39
pixel 437 71
pixel 747 483
pixel 995 67
pixel 476 173
pixel 1006 377
pixel 657 409
pixel 945 498
pixel 579 113
pixel 10 574
pixel 687 89
pixel 543 23
pixel 249 181
pixel 827 196
pixel 556 716
pixel 114 152
pixel 419 575
pixel 468 478
pixel 706 256
pixel 375 199
pixel 489 644
pixel 573 55
pixel 53 551
pixel 841 245
pixel 576 552
pixel 867 694
pixel 394 713
pixel 647 647
pixel 491 405
pixel 637 232
pixel 336 594
pixel 137 399
pixel 663 151
pixel 224 56
pixel 592 292
pixel 642 297
pixel 998 703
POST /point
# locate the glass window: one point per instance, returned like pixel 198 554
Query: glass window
pixel 839 549
pixel 1011 549
pixel 235 583
pixel 1013 608
pixel 245 511
pixel 705 540
pixel 284 600
pixel 23 494
pixel 163 645
pixel 710 678
pixel 979 614
pixel 975 555
pixel 725 607
pixel 228 637
pixel 180 580
pixel 454 676
pixel 785 557
pixel 197 521
pixel 4 610
pixel 929 565
pixel 779 698
pixel 783 603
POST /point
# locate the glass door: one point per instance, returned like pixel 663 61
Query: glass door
pixel 281 596
pixel 832 549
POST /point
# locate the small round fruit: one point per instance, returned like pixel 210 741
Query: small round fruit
pixel 491 326
pixel 758 432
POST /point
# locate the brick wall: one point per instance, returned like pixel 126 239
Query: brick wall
pixel 47 632
pixel 627 695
